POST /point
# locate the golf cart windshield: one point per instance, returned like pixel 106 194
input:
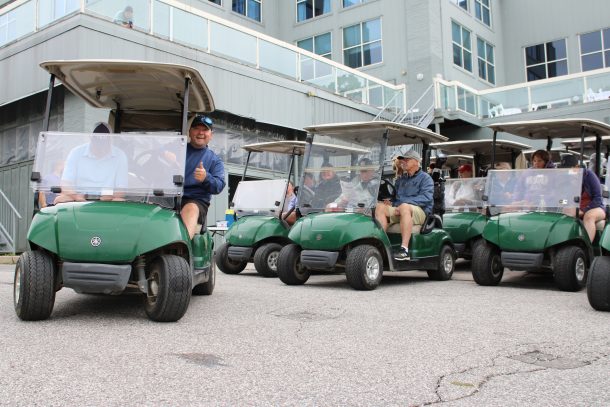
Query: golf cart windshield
pixel 463 194
pixel 93 165
pixel 341 178
pixel 263 197
pixel 541 190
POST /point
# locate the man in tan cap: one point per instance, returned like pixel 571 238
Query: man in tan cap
pixel 414 200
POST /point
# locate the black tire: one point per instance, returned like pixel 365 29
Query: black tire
pixel 598 284
pixel 364 267
pixel 225 264
pixel 289 268
pixel 34 286
pixel 446 265
pixel 207 288
pixel 265 259
pixel 487 266
pixel 170 283
pixel 570 268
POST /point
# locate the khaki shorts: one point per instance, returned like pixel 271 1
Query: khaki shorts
pixel 419 216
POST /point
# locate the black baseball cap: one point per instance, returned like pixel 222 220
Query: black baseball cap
pixel 568 161
pixel 204 120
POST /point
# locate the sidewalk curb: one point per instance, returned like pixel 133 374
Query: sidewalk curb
pixel 8 259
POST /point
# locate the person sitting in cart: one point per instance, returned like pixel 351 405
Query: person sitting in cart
pixel 463 193
pixel 290 203
pixel 328 189
pixel 414 200
pixel 542 159
pixel 361 191
pixel 95 168
pixel 204 175
pixel 591 202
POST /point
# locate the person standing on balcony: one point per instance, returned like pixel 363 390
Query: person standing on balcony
pixel 124 17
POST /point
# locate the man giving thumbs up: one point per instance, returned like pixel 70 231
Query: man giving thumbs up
pixel 204 177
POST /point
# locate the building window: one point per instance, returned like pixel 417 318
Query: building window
pixel 595 50
pixel 546 60
pixel 311 68
pixel 349 3
pixel 8 27
pixel 307 9
pixel 219 2
pixel 485 55
pixel 462 46
pixel 482 11
pixel 249 8
pixel 362 44
pixel 461 3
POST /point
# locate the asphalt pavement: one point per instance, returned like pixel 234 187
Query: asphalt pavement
pixel 256 341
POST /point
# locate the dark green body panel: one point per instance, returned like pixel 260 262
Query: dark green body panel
pixel 126 230
pixel 463 226
pixel 249 230
pixel 427 245
pixel 332 231
pixel 539 231
pixel 604 241
pixel 203 249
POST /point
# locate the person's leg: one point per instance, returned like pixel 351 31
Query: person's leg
pixel 589 219
pixel 190 217
pixel 406 223
pixel 381 214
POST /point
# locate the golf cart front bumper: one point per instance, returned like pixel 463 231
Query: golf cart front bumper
pixel 319 259
pixel 522 260
pixel 96 277
pixel 239 253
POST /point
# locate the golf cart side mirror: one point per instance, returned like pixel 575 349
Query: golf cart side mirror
pixel 56 190
pixel 277 203
pixel 485 198
pixel 360 205
pixel 577 199
pixel 178 180
pixel 158 192
pixel 35 177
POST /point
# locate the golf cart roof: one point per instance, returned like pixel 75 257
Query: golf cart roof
pixel 282 147
pixel 135 85
pixel 556 128
pixel 588 144
pixel 479 146
pixel 555 152
pixel 399 134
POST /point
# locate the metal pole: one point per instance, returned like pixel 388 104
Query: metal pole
pixel 493 150
pixel 185 105
pixel 47 110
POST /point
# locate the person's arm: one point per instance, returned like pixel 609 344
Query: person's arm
pixel 594 188
pixel 426 193
pixel 214 181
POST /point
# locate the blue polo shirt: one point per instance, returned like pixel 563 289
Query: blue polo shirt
pixel 214 182
pixel 90 174
pixel 417 189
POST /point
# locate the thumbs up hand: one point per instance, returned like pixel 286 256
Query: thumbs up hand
pixel 200 172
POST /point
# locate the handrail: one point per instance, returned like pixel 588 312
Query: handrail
pixel 11 221
pixel 15 211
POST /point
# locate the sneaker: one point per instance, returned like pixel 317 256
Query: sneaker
pixel 402 254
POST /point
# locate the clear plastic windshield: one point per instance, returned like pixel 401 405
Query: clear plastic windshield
pixel 464 194
pixel 262 197
pixel 341 179
pixel 129 166
pixel 534 189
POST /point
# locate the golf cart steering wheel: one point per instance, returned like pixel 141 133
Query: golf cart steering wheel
pixel 387 190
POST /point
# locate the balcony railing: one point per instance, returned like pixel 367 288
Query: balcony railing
pixel 174 21
pixel 569 90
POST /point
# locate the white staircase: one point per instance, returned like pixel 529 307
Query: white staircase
pixel 421 113
pixel 9 217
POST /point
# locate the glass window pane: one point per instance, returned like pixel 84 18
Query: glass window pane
pixel 371 30
pixel 277 59
pixel 372 53
pixel 351 36
pixel 321 7
pixel 301 11
pixel 558 69
pixel 352 57
pixel 306 68
pixel 477 9
pixel 486 16
pixel 480 48
pixel 536 72
pixel 482 69
pixel 491 74
pixel 590 42
pixel 486 3
pixel 376 96
pixel 349 3
pixel 456 33
pixel 534 54
pixel 231 43
pixel 322 69
pixel 457 55
pixel 306 44
pixel 592 61
pixel 190 29
pixel 490 53
pixel 322 44
pixel 239 6
pixel 161 19
pixel 468 61
pixel 463 4
pixel 607 53
pixel 466 39
pixel 254 10
pixel 556 50
pixel 606 35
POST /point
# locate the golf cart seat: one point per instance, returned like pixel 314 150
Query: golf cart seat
pixel 432 221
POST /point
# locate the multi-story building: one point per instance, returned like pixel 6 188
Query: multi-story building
pixel 275 66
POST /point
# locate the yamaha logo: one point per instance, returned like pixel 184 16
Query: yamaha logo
pixel 521 237
pixel 96 241
pixel 319 237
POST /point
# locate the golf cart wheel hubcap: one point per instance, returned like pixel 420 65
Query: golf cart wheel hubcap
pixel 372 268
pixel 153 286
pixel 579 269
pixel 272 260
pixel 495 266
pixel 17 287
pixel 448 262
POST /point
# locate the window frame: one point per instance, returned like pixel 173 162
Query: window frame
pixel 314 9
pixel 362 44
pixel 456 3
pixel 546 60
pixel 486 60
pixel 215 2
pixel 482 7
pixel 462 48
pixel 605 48
pixel 246 5
pixel 305 58
pixel 359 3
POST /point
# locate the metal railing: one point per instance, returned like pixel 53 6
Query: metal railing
pixel 181 23
pixel 9 216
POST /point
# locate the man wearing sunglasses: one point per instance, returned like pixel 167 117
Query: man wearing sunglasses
pixel 204 174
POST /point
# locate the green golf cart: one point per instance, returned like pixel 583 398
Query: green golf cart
pixel 534 222
pixel 339 233
pixel 118 229
pixel 260 231
pixel 464 216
